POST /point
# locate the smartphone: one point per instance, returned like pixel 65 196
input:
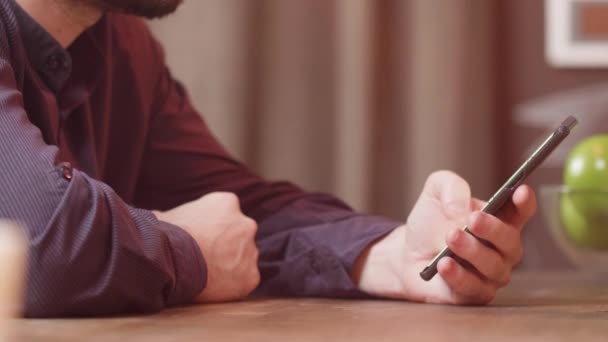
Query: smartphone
pixel 506 191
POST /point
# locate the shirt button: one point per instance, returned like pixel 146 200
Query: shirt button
pixel 66 170
pixel 55 62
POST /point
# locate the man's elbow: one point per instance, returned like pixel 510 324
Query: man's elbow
pixel 58 290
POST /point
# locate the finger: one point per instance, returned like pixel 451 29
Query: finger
pixel 521 207
pixel 477 204
pixel 466 287
pixel 487 261
pixel 451 190
pixel 505 238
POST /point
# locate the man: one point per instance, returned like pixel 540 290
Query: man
pixel 131 204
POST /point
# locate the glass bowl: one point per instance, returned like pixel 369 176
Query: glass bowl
pixel 588 253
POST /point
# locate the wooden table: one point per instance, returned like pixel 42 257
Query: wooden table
pixel 535 307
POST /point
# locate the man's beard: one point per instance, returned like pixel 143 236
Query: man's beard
pixel 143 8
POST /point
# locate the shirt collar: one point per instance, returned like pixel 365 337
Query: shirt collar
pixel 47 56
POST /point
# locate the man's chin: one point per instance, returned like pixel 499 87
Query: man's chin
pixel 143 8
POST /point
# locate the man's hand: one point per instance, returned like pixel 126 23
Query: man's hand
pixel 391 266
pixel 227 239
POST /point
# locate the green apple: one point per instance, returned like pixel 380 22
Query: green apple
pixel 584 207
pixel 584 229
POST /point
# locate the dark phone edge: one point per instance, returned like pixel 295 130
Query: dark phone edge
pixel 539 155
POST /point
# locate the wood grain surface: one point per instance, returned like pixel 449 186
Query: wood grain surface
pixel 535 307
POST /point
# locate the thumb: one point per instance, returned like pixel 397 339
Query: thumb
pixel 452 191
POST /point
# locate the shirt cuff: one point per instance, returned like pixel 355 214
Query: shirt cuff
pixel 316 256
pixel 188 263
pixel 363 231
pixel 335 257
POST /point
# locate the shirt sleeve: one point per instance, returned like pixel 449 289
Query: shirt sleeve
pixel 308 242
pixel 90 253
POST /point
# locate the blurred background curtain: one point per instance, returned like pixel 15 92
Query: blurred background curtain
pixel 359 98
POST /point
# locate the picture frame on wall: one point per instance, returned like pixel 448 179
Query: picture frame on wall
pixel 576 33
